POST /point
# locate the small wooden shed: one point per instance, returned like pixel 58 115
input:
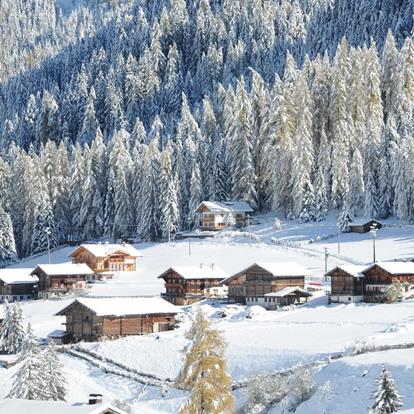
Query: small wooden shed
pixel 90 319
pixel 364 225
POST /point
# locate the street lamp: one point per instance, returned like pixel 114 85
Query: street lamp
pixel 339 238
pixel 48 233
pixel 373 232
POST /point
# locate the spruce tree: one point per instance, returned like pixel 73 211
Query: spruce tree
pixel 12 333
pixel 52 370
pixel 29 381
pixel 7 245
pixel 204 372
pixel 344 218
pixel 387 398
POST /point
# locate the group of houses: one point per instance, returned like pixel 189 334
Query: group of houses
pixel 89 262
pixel 352 283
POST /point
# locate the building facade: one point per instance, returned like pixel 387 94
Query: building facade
pixel 17 285
pixel 347 284
pixel 261 279
pixel 107 257
pixel 214 215
pixel 185 285
pixel 61 279
pixel 91 319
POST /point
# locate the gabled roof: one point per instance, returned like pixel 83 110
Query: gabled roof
pixel 289 291
pixel 197 272
pixel 106 249
pixel 227 206
pixel 362 221
pixel 351 270
pixel 394 268
pixel 276 269
pixel 125 306
pixel 17 276
pixel 63 269
pixel 18 406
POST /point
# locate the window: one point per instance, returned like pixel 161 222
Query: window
pixel 349 299
pixel 21 297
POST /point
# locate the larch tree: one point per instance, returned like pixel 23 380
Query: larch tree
pixel 204 372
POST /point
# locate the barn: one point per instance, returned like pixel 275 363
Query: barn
pixel 364 225
pixel 17 284
pixel 347 284
pixel 90 319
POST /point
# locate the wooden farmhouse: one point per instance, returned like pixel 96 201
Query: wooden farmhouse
pixel 19 406
pixel 90 319
pixel 215 215
pixel 251 285
pixel 17 284
pixel 60 279
pixel 380 276
pixel 347 284
pixel 363 226
pixel 107 258
pixel 185 285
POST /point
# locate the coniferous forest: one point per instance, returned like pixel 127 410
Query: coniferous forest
pixel 118 117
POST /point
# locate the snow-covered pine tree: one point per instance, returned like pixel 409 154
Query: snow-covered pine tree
pixel 204 372
pixel 53 375
pixel 7 245
pixel 308 212
pixel 29 381
pixel 196 194
pixel 387 398
pixel 344 218
pixel 12 333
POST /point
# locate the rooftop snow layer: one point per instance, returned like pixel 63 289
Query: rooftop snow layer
pixel 105 249
pixel 126 306
pixel 353 270
pixel 17 276
pixel 395 268
pixel 227 206
pixel 52 407
pixel 198 272
pixel 66 269
pixel 288 291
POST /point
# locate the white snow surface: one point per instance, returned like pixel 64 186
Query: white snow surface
pixel 10 406
pixel 199 272
pixel 127 306
pixel 66 269
pixel 258 341
pixel 105 249
pixel 17 276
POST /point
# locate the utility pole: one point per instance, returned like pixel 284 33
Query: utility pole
pixel 373 232
pixel 189 248
pixel 339 239
pixel 326 263
pixel 48 232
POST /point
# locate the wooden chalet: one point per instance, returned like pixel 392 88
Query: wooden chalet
pixel 20 406
pixel 260 279
pixel 60 279
pixel 107 258
pixel 363 225
pixel 215 215
pixel 381 275
pixel 287 296
pixel 185 285
pixel 89 319
pixel 347 284
pixel 17 284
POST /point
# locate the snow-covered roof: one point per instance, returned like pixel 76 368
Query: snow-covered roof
pixel 288 291
pixel 124 306
pixel 352 270
pixel 277 269
pixel 57 333
pixel 17 276
pixel 106 249
pixel 197 272
pixel 52 407
pixel 65 269
pixel 394 268
pixel 227 206
pixel 362 221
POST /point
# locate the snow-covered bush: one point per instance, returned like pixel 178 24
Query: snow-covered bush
pixel 123 405
pixel 394 293
pixel 277 224
pixel 255 311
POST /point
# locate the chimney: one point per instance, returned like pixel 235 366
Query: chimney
pixel 95 399
pixel 201 265
pixel 212 265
